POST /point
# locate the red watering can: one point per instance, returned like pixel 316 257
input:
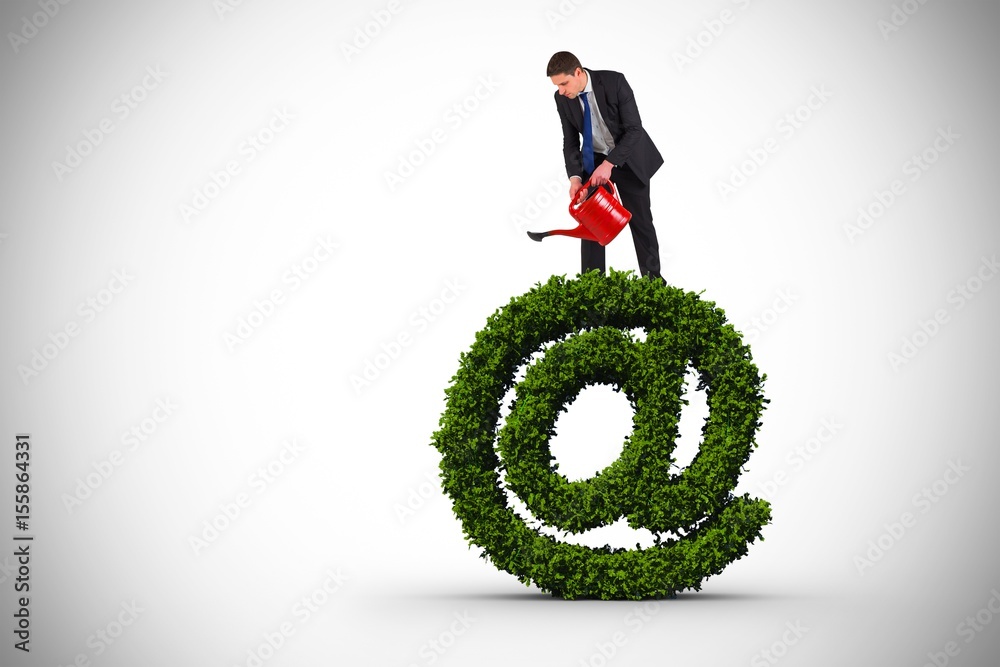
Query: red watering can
pixel 599 214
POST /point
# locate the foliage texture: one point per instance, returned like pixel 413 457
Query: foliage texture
pixel 569 334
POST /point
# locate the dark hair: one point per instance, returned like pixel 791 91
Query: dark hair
pixel 562 62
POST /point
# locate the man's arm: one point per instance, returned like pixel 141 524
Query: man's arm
pixel 571 143
pixel 628 113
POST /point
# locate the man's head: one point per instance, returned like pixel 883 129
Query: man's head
pixel 567 74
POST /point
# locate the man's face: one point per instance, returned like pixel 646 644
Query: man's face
pixel 570 85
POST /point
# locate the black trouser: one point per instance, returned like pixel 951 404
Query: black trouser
pixel 635 198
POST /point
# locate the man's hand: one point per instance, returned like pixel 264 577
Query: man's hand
pixel 602 174
pixel 574 187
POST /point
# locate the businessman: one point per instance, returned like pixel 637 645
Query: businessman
pixel 598 107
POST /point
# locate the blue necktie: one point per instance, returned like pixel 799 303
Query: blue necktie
pixel 588 137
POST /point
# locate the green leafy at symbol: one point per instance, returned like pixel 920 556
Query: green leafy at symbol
pixel 583 325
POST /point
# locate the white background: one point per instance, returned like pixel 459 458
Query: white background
pixel 822 307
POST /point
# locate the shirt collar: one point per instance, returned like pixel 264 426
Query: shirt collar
pixel 589 88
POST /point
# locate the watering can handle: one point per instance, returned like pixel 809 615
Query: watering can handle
pixel 586 186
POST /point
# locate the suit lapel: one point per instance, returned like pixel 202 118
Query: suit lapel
pixel 602 104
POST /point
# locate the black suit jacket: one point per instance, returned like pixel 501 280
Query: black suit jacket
pixel 633 147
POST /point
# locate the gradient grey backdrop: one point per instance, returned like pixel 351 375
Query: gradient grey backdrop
pixel 829 308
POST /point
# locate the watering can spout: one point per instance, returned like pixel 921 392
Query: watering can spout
pixel 578 232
